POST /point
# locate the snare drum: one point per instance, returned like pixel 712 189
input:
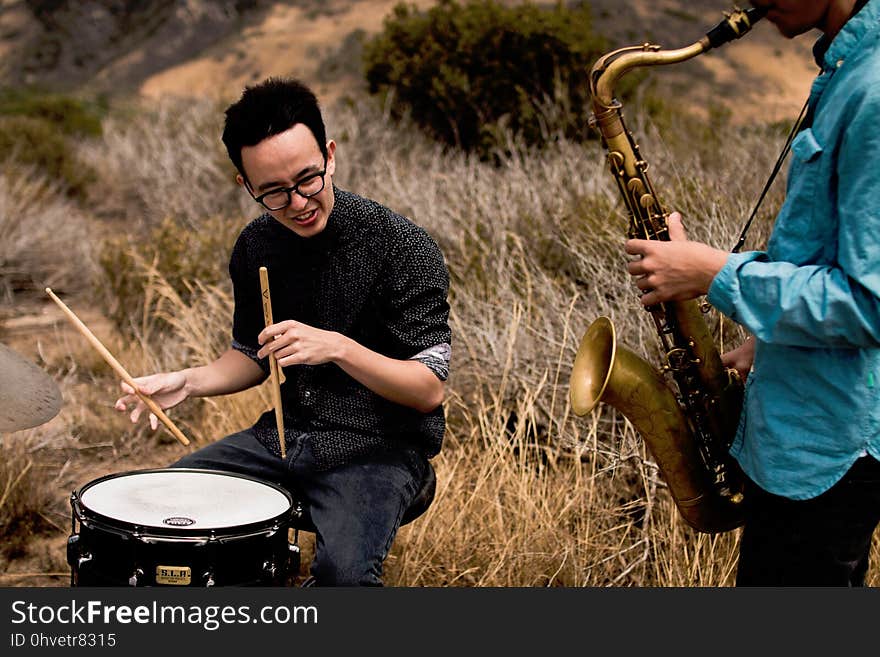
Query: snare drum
pixel 179 527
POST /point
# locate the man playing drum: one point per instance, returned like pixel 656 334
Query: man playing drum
pixel 363 339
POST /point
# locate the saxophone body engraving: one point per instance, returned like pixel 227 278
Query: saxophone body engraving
pixel 688 432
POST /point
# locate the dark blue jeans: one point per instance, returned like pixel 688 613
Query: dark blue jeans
pixel 356 508
pixel 823 541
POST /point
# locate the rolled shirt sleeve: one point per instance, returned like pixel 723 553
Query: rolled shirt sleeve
pixel 818 284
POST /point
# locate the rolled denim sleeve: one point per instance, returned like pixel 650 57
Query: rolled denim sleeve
pixel 799 306
pixel 819 285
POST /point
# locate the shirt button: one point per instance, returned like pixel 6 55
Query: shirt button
pixel 839 63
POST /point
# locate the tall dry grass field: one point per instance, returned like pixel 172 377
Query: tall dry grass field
pixel 528 493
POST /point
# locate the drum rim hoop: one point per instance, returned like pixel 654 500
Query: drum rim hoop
pixel 154 530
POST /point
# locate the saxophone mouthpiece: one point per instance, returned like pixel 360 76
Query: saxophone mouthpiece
pixel 735 25
pixel 756 13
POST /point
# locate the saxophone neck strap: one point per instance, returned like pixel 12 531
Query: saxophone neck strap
pixel 803 120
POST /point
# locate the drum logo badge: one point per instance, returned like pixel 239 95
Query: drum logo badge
pixel 173 575
pixel 179 521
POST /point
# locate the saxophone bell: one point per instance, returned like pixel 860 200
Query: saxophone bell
pixel 606 372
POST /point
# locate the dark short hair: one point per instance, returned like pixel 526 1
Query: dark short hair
pixel 270 108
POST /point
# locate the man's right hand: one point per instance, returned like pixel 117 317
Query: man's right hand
pixel 167 389
pixel 231 372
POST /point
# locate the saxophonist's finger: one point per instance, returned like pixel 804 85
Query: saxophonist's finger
pixel 650 298
pixel 636 247
pixel 636 267
pixel 677 232
pixel 642 283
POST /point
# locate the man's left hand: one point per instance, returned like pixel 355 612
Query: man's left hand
pixel 675 270
pixel 295 343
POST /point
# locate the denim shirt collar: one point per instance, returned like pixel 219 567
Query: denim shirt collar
pixel 829 54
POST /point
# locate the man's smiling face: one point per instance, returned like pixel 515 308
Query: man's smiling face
pixel 292 158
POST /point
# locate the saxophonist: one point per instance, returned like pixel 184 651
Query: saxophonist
pixel 809 434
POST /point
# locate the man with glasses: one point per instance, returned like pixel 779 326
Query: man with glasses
pixel 363 339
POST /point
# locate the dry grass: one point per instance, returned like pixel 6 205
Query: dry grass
pixel 528 494
pixel 41 235
pixel 162 160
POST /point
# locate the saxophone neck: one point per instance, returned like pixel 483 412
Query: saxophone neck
pixel 611 67
pixel 614 65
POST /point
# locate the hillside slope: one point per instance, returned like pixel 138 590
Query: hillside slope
pixel 212 48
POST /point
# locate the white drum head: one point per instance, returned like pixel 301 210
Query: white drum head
pixel 184 499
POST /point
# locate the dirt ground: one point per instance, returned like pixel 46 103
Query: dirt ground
pixel 291 40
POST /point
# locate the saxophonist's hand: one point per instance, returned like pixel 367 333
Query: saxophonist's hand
pixel 675 270
pixel 741 358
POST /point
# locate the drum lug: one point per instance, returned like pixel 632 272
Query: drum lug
pixel 136 577
pixel 208 578
pixel 270 569
pixel 75 558
pixel 294 557
pixel 81 560
pixel 73 552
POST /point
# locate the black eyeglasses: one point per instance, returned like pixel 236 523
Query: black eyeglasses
pixel 278 199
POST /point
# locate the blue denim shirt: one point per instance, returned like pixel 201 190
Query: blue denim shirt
pixel 812 300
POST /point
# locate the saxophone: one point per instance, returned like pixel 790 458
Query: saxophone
pixel 689 432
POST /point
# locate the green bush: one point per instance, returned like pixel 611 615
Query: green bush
pixel 36 142
pixel 72 116
pixel 465 72
pixel 40 129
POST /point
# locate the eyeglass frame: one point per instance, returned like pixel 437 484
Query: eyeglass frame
pixel 293 189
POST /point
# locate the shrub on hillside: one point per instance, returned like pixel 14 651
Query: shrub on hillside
pixel 43 235
pixel 465 72
pixel 43 130
pixel 35 142
pixel 70 115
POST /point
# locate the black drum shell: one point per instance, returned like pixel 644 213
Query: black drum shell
pixel 110 552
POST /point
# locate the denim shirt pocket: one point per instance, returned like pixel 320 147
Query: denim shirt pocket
pixel 806 151
pixel 805 146
pixel 797 235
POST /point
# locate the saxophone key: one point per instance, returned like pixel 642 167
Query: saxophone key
pixel 616 160
pixel 635 186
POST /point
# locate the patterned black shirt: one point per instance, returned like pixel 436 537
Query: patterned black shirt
pixel 371 275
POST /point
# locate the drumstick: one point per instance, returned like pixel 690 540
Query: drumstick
pixel 112 362
pixel 276 373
